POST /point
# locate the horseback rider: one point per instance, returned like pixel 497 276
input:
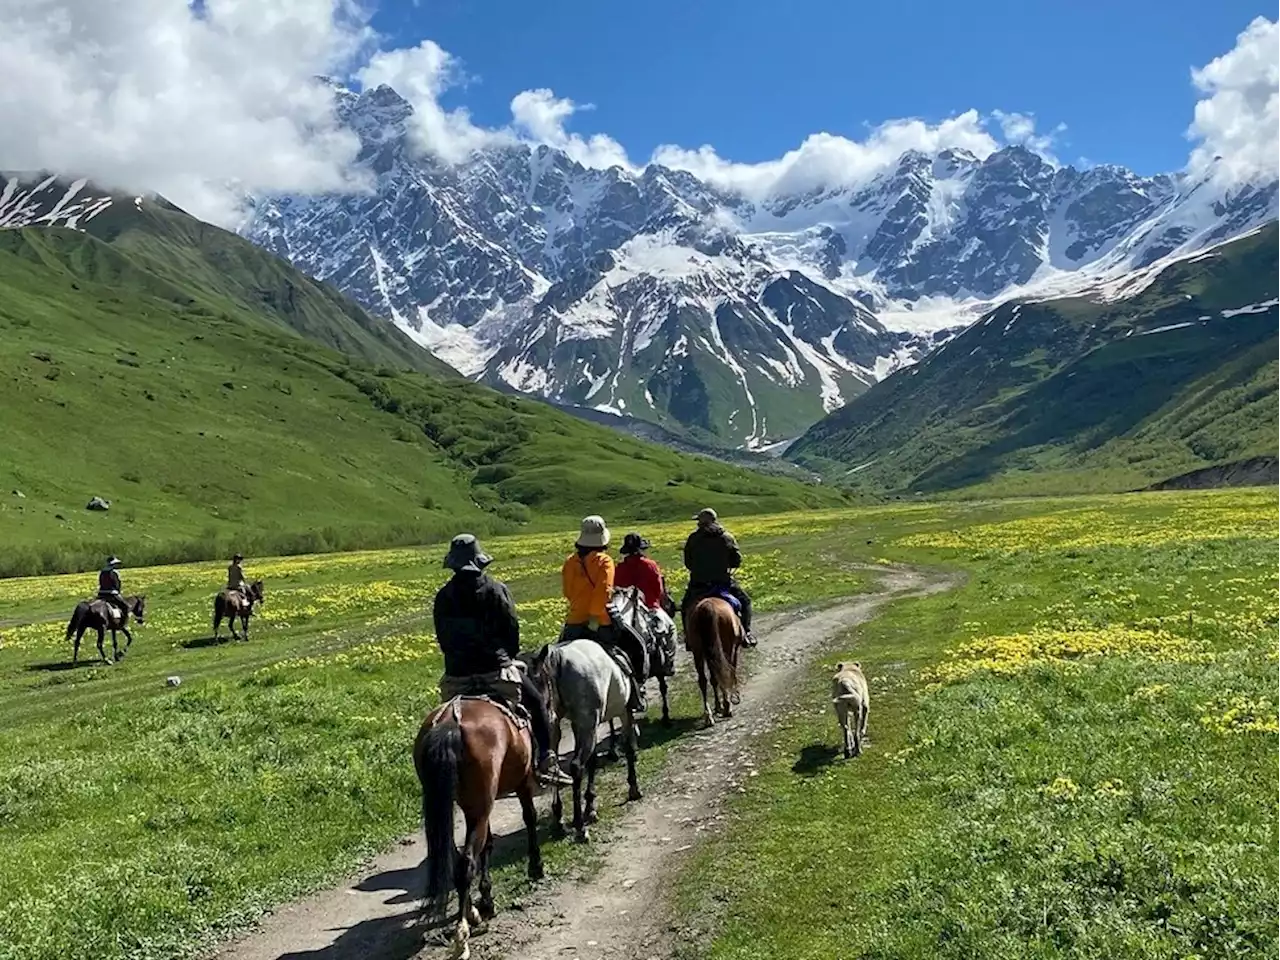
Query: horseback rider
pixel 477 630
pixel 109 587
pixel 587 580
pixel 710 554
pixel 235 577
pixel 639 571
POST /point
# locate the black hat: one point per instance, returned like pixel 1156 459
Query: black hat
pixel 634 543
pixel 465 554
pixel 237 558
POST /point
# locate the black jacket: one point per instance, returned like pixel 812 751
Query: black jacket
pixel 476 625
pixel 710 553
pixel 108 580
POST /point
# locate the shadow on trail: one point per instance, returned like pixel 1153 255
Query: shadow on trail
pixel 654 734
pixel 382 938
pixel 815 758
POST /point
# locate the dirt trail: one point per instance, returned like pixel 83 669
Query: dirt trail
pixel 619 913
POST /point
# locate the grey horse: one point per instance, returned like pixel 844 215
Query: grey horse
pixel 586 686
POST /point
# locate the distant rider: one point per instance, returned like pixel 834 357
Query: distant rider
pixel 710 554
pixel 587 580
pixel 235 576
pixel 639 571
pixel 109 587
pixel 477 630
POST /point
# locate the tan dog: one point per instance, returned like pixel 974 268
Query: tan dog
pixel 852 703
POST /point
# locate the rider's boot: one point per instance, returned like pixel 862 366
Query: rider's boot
pixel 548 770
pixel 748 638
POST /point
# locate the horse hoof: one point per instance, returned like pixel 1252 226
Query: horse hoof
pixel 591 816
pixel 535 871
pixel 473 916
pixel 634 794
pixel 666 720
pixel 557 830
pixel 582 836
pixel 487 910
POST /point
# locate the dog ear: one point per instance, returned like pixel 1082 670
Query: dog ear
pixel 857 665
pixel 839 667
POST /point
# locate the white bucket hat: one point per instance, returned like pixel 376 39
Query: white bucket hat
pixel 593 533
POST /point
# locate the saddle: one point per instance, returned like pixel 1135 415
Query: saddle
pixel 515 712
pixel 721 593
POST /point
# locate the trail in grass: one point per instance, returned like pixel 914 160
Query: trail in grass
pixel 621 910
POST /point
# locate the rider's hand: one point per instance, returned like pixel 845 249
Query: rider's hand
pixel 593 624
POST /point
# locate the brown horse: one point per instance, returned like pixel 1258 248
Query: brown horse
pixel 713 634
pixel 236 603
pixel 99 614
pixel 469 752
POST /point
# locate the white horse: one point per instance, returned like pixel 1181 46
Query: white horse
pixel 586 686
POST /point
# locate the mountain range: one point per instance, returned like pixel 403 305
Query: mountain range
pixel 652 294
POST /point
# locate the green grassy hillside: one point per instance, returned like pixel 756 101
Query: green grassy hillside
pixel 1072 395
pixel 138 366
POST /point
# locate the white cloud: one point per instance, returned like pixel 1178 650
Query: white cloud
pixel 824 160
pixel 421 74
pixel 541 115
pixel 1239 119
pixel 1020 128
pixel 151 94
pixel 206 101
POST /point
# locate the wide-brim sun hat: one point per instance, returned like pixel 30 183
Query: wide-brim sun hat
pixel 634 543
pixel 237 557
pixel 465 555
pixel 593 533
pixel 113 561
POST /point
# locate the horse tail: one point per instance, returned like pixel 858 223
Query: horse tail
pixel 707 622
pixel 217 610
pixel 75 620
pixel 437 756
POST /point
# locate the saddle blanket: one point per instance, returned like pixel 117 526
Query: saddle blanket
pixel 730 599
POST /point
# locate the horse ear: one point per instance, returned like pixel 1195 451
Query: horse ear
pixel 540 657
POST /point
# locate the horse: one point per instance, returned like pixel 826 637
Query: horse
pixel 852 702
pixel 582 682
pixel 627 607
pixel 714 635
pixel 235 603
pixel 99 614
pixel 469 752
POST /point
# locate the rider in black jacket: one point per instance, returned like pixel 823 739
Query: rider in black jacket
pixel 710 554
pixel 477 630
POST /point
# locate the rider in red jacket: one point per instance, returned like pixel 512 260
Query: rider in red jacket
pixel 637 570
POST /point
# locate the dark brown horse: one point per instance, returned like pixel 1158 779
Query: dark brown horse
pixel 236 603
pixel 100 615
pixel 714 635
pixel 469 752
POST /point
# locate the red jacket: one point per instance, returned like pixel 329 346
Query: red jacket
pixel 639 571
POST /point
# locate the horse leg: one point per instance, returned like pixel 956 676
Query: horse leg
pixel 217 621
pixel 666 709
pixel 231 622
pixel 102 654
pixel 464 876
pixel 629 745
pixel 485 904
pixel 244 627
pixel 612 755
pixel 128 637
pixel 530 813
pixel 590 814
pixel 701 667
pixel 75 651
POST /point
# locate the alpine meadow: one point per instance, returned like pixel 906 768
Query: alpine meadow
pixel 677 483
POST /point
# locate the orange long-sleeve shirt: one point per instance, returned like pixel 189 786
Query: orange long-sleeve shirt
pixel 587 585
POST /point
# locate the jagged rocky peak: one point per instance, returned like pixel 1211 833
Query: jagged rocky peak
pixel 655 294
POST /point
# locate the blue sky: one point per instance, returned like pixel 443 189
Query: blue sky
pixel 754 78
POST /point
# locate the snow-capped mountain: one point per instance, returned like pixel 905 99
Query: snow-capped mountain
pixel 655 295
pixel 47 201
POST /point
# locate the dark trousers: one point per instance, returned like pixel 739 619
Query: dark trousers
pixel 697 591
pixel 539 715
pixel 116 601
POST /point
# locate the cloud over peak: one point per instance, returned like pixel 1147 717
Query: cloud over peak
pixel 206 101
